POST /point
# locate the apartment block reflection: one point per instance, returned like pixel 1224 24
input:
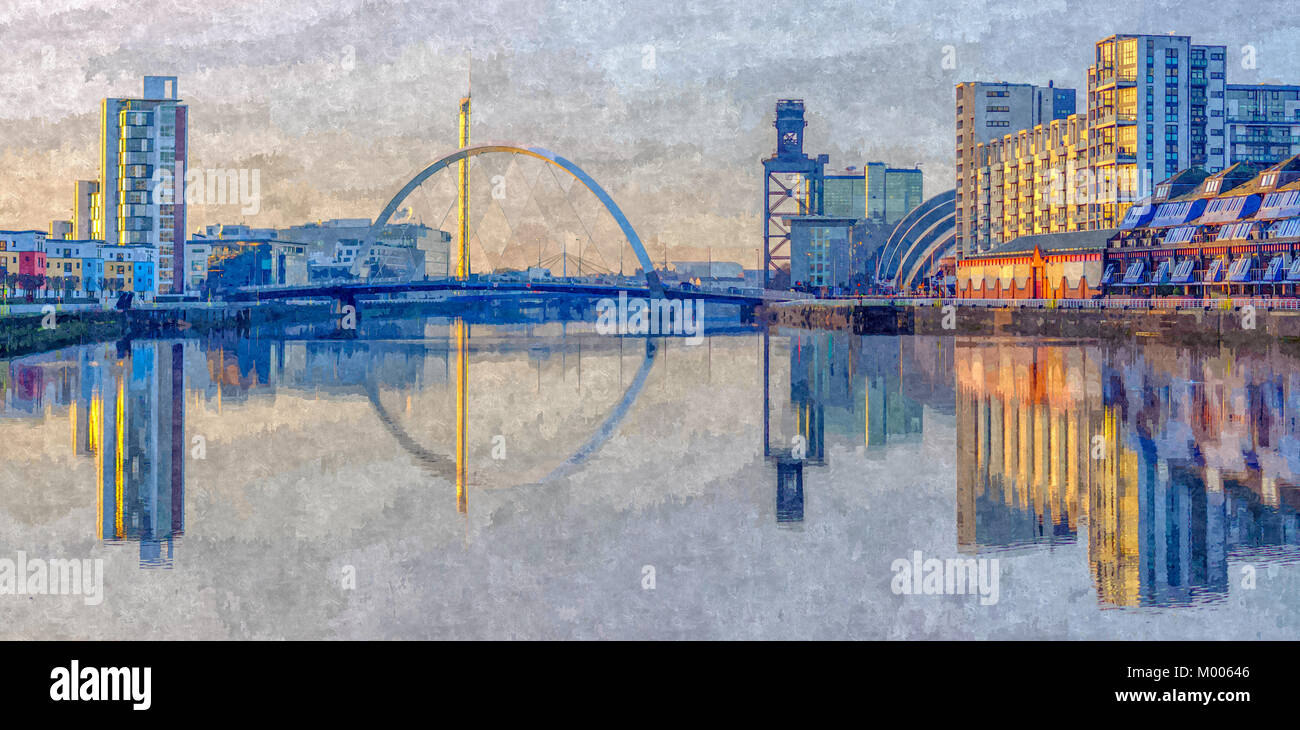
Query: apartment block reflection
pixel 1175 459
pixel 1024 430
pixel 138 429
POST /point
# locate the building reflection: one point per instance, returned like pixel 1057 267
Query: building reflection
pixel 789 490
pixel 126 412
pixel 845 391
pixel 1174 459
pixel 125 405
pixel 1160 466
pixel 139 442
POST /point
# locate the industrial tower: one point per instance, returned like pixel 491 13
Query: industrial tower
pixel 793 184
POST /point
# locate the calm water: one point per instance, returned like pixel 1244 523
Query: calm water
pixel 752 485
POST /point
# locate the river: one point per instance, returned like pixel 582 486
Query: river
pixel 774 484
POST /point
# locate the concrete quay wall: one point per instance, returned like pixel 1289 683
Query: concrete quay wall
pixel 1189 324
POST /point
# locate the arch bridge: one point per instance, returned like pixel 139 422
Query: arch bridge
pixel 653 282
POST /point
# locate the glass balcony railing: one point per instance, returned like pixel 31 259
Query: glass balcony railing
pixel 1112 115
pixel 1111 153
pixel 1107 75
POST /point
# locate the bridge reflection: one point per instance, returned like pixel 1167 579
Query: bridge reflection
pixel 126 404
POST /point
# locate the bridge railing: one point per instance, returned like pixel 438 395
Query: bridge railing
pixel 1128 303
pixel 325 283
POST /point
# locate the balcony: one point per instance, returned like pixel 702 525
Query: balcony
pixel 1261 139
pixel 1112 154
pixel 1110 76
pixel 1106 116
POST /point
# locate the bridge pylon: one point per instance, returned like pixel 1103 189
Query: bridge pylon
pixel 462 204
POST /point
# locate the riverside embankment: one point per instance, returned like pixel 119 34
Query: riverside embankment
pixel 26 333
pixel 1204 321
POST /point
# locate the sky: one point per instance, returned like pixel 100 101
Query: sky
pixel 668 105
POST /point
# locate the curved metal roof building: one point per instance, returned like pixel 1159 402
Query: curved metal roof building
pixel 928 232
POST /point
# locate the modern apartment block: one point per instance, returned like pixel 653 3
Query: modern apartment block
pixel 143 153
pixel 1263 122
pixel 988 111
pixel 1156 105
pixel 1028 183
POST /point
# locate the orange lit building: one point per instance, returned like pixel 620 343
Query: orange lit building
pixel 1047 266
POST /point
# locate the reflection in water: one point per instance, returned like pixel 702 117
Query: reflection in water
pixel 789 490
pixel 865 392
pixel 125 402
pixel 1176 460
pixel 460 332
pixel 127 412
pixel 1158 466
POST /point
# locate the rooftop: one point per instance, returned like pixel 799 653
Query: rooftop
pixel 1053 242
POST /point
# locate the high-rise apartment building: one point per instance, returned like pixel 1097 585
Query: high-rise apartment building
pixel 988 111
pixel 1155 106
pixel 143 148
pixel 1263 122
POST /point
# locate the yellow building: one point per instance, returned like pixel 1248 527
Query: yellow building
pixel 8 260
pixel 1033 181
pixel 64 268
pixel 1155 107
pixel 119 276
